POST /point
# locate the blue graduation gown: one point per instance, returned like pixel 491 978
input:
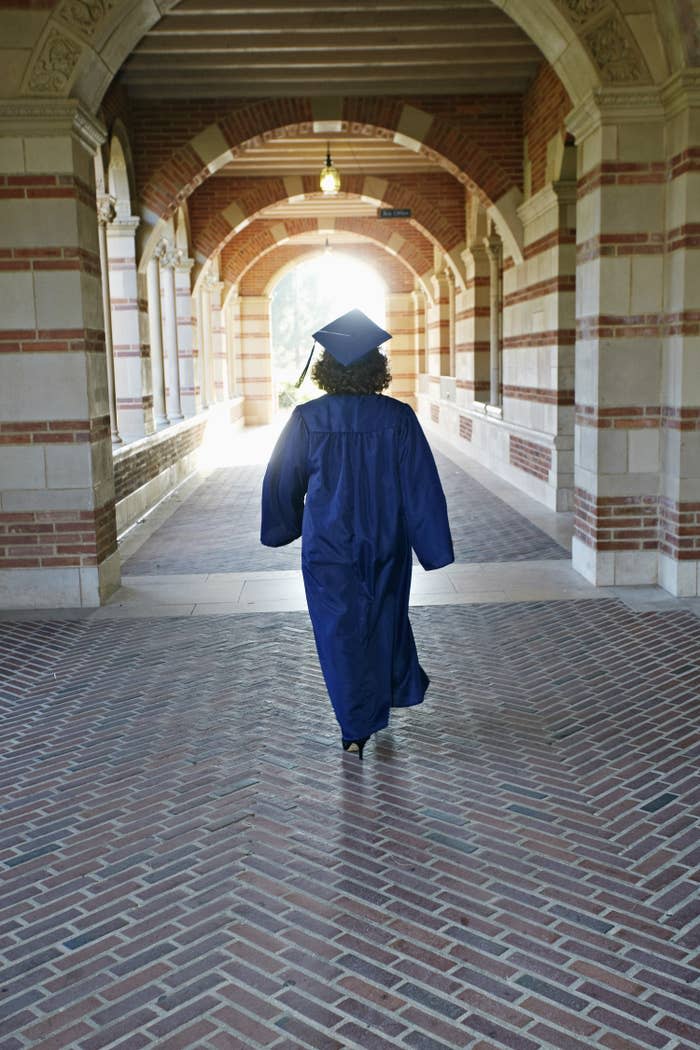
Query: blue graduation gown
pixel 353 475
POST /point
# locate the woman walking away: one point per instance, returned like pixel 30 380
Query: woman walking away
pixel 353 475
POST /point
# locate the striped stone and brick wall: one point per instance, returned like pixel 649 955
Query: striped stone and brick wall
pixel 57 523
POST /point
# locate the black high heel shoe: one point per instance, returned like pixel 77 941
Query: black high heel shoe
pixel 355 745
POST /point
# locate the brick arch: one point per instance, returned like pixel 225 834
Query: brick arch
pixel 268 269
pixel 433 225
pixel 451 149
pixel 264 237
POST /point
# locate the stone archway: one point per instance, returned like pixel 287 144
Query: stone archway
pixel 78 50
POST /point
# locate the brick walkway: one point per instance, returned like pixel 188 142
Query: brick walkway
pixel 190 861
pixel 484 528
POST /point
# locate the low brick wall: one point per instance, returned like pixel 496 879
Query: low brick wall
pixel 140 462
pixel 145 470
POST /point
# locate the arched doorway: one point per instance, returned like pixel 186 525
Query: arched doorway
pixel 303 299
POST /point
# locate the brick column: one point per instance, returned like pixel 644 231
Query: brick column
pixel 57 522
pixel 189 393
pixel 131 357
pixel 400 321
pixel 619 335
pixel 679 508
pixel 256 359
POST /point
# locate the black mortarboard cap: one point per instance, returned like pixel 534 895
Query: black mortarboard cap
pixel 348 339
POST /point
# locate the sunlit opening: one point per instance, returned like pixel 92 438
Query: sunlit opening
pixel 307 298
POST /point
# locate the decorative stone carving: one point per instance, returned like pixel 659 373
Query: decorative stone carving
pixel 53 69
pixel 581 10
pixel 614 52
pixel 84 15
pixel 106 210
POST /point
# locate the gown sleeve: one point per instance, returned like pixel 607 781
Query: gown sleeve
pixel 284 485
pixel 424 502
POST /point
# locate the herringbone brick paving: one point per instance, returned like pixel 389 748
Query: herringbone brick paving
pixel 218 528
pixel 189 860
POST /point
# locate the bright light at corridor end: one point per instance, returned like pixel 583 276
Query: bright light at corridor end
pixel 349 285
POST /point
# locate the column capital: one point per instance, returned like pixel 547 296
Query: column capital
pixel 183 263
pixel 125 224
pixel 167 254
pixel 106 210
pixel 44 117
pixel 493 246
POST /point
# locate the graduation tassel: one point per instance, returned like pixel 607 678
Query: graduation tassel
pixel 302 377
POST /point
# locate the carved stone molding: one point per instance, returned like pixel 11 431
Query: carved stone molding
pixel 106 210
pixel 614 51
pixel 52 71
pixel 613 106
pixel 581 10
pixel 83 16
pixel 45 117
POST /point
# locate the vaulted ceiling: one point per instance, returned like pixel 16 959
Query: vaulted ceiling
pixel 209 48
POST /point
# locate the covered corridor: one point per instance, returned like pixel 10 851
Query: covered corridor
pixel 190 860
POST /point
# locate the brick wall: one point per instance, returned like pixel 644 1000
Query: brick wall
pixel 133 467
pixel 545 104
pixel 531 457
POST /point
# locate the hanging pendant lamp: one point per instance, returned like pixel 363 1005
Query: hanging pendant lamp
pixel 329 180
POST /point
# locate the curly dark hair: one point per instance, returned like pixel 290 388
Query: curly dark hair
pixel 369 375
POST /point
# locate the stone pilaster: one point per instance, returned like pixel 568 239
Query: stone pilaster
pixel 57 522
pixel 440 325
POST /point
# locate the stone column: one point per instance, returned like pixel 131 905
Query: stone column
pixel 473 344
pixel 168 262
pixel 131 366
pixel 256 359
pixel 400 321
pixel 217 336
pixel 156 337
pixel 105 214
pixel 494 251
pixel 58 544
pixel 619 334
pixel 185 335
pixel 204 336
